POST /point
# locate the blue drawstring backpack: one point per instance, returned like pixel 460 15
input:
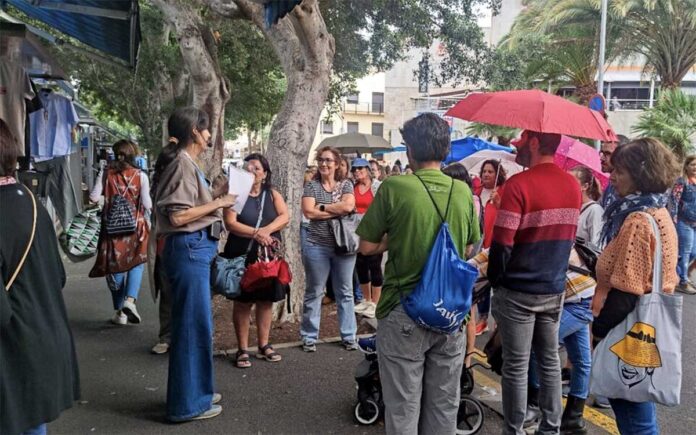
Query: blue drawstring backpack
pixel 442 299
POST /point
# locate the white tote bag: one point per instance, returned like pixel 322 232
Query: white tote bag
pixel 640 359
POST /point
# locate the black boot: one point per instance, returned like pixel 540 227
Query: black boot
pixel 572 422
pixel 533 413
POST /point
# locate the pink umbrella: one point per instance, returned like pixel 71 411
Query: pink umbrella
pixel 572 153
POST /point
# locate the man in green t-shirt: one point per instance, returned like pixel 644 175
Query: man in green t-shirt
pixel 419 369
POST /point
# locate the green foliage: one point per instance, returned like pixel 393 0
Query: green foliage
pixel 489 130
pixel 373 35
pixel 257 83
pixel 672 120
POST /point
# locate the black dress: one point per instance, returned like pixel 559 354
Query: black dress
pixel 237 246
pixel 38 366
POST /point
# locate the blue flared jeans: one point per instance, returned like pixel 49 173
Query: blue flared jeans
pixel 187 259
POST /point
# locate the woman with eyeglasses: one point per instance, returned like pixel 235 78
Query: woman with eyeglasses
pixel 369 267
pixel 326 197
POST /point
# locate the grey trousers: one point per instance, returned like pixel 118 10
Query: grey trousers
pixel 420 372
pixel 527 321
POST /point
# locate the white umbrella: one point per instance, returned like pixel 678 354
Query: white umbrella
pixel 474 162
pixel 357 143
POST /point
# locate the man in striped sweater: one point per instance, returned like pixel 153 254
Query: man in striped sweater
pixel 532 238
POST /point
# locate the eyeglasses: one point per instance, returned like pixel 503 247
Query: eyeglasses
pixel 325 161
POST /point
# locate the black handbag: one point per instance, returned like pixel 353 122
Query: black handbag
pixel 343 230
pixel 588 253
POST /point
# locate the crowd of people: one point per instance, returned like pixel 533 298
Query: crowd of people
pixel 520 232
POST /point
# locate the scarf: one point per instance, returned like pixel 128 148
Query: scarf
pixel 617 211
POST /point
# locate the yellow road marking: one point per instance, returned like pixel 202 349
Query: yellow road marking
pixel 590 414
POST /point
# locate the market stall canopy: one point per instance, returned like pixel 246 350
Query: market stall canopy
pixel 533 110
pixel 357 143
pixel 462 148
pixel 22 46
pixel 110 26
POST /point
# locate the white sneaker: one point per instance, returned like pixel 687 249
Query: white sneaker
pixel 119 319
pixel 130 311
pixel 361 307
pixel 160 348
pixel 370 311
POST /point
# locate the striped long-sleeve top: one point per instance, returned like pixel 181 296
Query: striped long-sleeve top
pixel 535 230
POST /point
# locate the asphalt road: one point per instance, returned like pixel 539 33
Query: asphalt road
pixel 124 386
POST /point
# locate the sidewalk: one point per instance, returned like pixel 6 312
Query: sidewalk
pixel 124 385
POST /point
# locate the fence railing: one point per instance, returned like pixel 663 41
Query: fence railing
pixel 363 107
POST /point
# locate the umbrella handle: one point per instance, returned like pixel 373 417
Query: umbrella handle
pixel 497 173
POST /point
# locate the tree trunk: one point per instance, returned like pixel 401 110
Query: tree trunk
pixel 306 51
pixel 584 92
pixel 209 88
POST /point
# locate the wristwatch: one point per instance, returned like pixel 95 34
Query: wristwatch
pixel 321 207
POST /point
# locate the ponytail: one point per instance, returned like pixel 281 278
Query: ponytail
pixel 585 176
pixel 180 127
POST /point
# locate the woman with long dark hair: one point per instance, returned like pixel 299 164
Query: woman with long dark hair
pixel 191 220
pixel 257 227
pixel 122 257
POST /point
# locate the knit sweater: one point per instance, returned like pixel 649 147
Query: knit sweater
pixel 535 230
pixel 626 263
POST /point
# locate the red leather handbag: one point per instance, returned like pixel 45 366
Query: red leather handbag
pixel 269 266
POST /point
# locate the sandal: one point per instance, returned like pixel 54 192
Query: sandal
pixel 271 356
pixel 242 359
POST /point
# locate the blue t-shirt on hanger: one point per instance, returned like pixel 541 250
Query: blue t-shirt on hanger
pixel 51 126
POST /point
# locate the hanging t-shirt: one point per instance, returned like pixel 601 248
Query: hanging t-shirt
pixel 51 127
pixel 15 89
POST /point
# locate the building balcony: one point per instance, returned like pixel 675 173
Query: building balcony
pixel 363 108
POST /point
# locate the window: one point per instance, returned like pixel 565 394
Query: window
pixel 353 127
pixel 327 127
pixel 352 99
pixel 378 129
pixel 377 102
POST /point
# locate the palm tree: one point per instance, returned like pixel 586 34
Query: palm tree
pixel 672 120
pixel 569 32
pixel 662 31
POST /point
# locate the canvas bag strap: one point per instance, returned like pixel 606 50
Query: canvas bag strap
pixel 258 221
pixel 657 256
pixel 31 242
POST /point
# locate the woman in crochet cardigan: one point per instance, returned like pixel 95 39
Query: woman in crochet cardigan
pixel 643 170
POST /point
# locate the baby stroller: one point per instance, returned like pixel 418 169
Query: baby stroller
pixel 370 405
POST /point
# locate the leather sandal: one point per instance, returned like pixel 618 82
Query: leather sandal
pixel 271 356
pixel 242 359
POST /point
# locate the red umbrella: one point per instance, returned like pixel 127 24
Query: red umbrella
pixel 533 110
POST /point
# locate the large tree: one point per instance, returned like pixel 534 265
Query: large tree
pixel 319 40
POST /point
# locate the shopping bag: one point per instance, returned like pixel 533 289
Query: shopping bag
pixel 81 237
pixel 640 359
pixel 226 275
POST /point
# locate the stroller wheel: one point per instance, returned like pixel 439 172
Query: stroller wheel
pixel 367 414
pixel 469 416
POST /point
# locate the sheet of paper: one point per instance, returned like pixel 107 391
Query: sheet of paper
pixel 240 182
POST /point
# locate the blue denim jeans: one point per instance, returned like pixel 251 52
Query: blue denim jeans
pixel 574 334
pixel 126 284
pixel 633 418
pixel 38 430
pixel 687 249
pixel 322 262
pixel 187 259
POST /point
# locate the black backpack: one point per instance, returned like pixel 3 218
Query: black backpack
pixel 588 253
pixel 121 217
